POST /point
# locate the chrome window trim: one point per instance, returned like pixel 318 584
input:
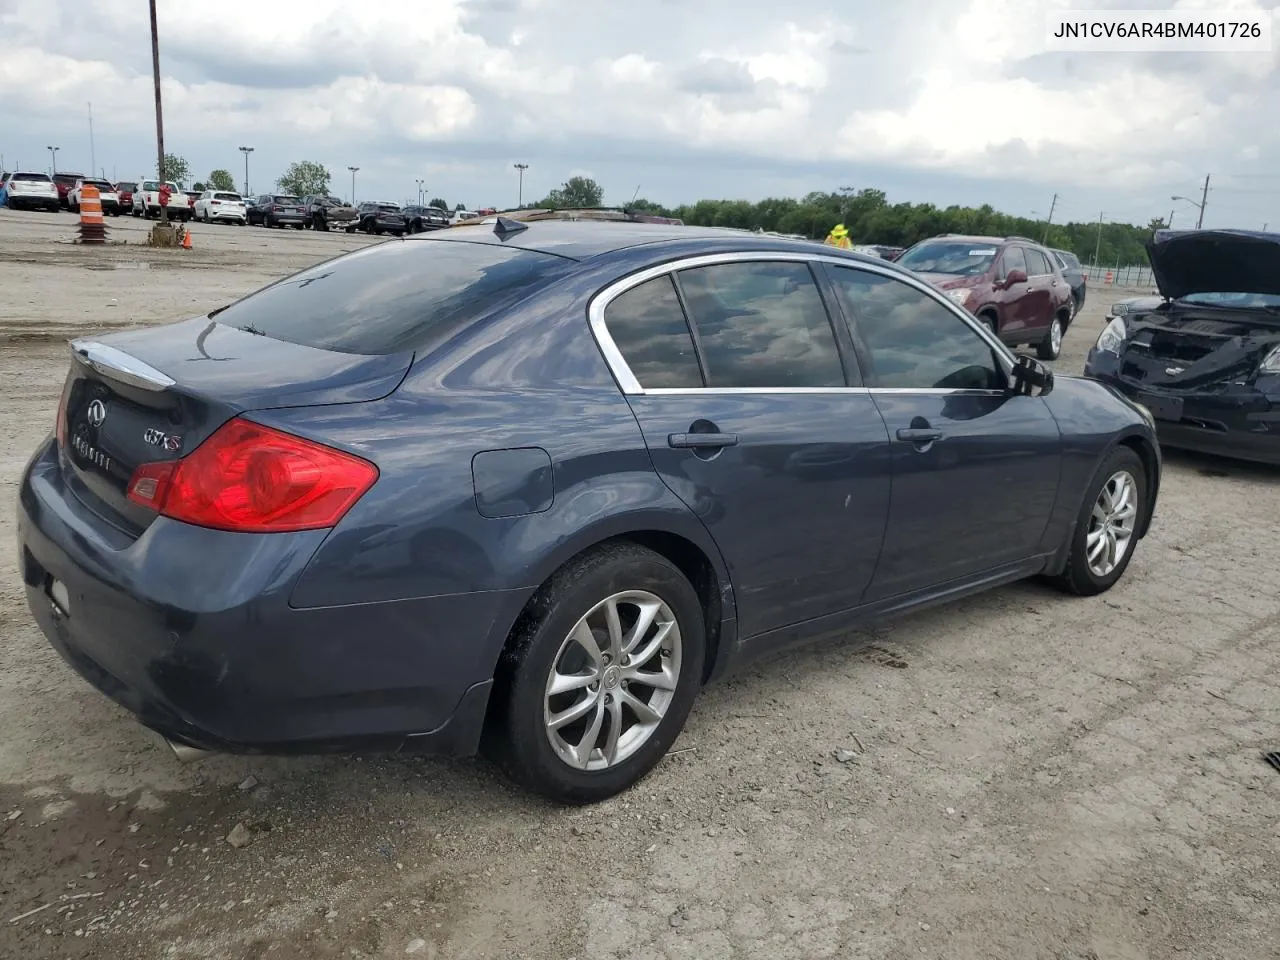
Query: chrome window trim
pixel 118 365
pixel 630 386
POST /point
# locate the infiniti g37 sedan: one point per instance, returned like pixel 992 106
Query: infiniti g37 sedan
pixel 530 486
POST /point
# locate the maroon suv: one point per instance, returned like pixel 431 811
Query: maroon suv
pixel 1011 284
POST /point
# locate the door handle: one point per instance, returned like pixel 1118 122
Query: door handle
pixel 701 441
pixel 919 434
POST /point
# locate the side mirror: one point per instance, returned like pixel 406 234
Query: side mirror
pixel 1031 378
pixel 1015 276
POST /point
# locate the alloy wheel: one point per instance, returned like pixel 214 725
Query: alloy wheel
pixel 1055 336
pixel 612 680
pixel 1112 523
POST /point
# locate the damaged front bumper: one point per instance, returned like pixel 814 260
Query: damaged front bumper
pixel 1235 419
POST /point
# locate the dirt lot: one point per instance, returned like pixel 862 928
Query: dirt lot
pixel 1033 777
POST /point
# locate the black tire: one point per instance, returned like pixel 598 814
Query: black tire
pixel 988 321
pixel 517 736
pixel 370 229
pixel 1078 578
pixel 1050 348
pixel 299 226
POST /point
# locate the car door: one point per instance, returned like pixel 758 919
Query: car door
pixel 749 400
pixel 1011 297
pixel 1044 290
pixel 975 467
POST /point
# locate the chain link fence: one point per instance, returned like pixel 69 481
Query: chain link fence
pixel 1121 276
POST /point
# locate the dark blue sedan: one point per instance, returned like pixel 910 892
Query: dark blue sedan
pixel 531 485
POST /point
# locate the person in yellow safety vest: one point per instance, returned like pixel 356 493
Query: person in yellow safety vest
pixel 839 237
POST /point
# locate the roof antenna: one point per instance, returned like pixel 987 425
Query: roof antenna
pixel 505 226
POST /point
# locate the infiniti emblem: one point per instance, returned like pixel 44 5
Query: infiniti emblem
pixel 97 413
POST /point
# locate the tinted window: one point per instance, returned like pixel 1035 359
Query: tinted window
pixel 912 340
pixel 284 198
pixel 761 325
pixel 41 177
pixel 150 185
pixel 226 196
pixel 1037 265
pixel 127 185
pixel 1013 260
pixel 393 297
pixel 649 329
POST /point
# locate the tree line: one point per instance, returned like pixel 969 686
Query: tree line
pixel 867 214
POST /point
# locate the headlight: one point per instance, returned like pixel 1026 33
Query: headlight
pixel 1119 309
pixel 1271 362
pixel 960 296
pixel 1111 339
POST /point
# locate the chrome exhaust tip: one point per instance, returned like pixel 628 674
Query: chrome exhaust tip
pixel 185 753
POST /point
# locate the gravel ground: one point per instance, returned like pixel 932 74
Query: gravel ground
pixel 1020 775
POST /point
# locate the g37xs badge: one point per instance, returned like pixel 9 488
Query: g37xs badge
pixel 166 441
pixel 1173 371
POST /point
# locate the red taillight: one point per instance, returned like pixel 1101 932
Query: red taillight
pixel 253 479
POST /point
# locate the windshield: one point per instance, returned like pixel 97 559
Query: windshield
pixel 965 258
pixel 1239 301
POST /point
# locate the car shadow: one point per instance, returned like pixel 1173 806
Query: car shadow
pixel 1211 465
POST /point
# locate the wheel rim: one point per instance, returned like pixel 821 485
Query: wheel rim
pixel 612 680
pixel 1055 336
pixel 1111 524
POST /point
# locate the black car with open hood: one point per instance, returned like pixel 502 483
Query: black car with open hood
pixel 1204 357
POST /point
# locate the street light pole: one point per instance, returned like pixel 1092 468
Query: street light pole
pixel 155 71
pixel 521 167
pixel 419 182
pixel 246 151
pixel 353 184
pixel 93 157
pixel 53 157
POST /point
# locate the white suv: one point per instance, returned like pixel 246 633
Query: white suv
pixel 146 201
pixel 106 193
pixel 31 190
pixel 220 205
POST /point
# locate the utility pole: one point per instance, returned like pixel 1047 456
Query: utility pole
pixel 521 167
pixel 155 70
pixel 353 184
pixel 93 158
pixel 1049 220
pixel 1169 222
pixel 246 151
pixel 1204 199
pixel 1097 247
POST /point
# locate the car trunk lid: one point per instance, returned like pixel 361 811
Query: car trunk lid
pixel 155 395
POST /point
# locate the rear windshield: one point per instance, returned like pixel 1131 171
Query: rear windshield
pixel 388 208
pixel 391 298
pixel 284 198
pixel 100 184
pixel 40 177
pixel 226 196
pixel 126 185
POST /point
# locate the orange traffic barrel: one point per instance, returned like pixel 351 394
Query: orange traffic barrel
pixel 1110 276
pixel 92 228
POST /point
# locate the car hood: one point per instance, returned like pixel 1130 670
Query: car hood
pixel 1215 261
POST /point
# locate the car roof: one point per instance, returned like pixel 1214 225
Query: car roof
pixel 584 239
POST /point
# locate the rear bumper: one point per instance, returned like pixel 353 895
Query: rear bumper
pixel 290 218
pixel 1235 421
pixel 192 631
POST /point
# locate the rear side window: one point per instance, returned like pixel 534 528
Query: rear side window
pixel 649 329
pixel 391 298
pixel 761 325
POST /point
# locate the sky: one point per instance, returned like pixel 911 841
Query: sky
pixel 940 101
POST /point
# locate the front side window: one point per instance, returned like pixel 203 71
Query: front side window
pixel 911 340
pixel 1012 260
pixel 761 324
pixel 649 329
